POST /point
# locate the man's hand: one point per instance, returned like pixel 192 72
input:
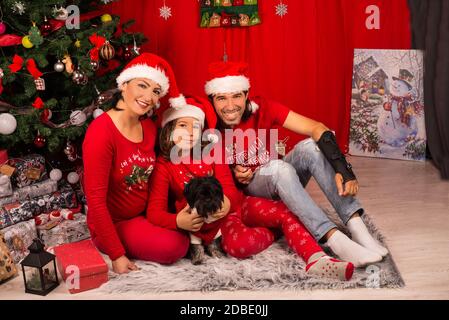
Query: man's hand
pixel 351 187
pixel 243 174
pixel 123 265
pixel 189 221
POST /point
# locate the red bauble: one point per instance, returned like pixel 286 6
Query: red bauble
pixel 127 54
pixel 45 27
pixel 46 115
pixel 387 106
pixel 39 141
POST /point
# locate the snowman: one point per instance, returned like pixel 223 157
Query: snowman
pixel 397 123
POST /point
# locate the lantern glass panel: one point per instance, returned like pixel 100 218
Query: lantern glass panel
pixel 49 275
pixel 33 278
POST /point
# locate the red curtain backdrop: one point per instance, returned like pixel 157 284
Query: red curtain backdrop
pixel 303 59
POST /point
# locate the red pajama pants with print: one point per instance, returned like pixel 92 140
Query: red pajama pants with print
pixel 253 229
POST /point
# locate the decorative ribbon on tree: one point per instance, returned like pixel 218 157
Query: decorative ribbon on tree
pixel 38 103
pixel 17 64
pixel 98 42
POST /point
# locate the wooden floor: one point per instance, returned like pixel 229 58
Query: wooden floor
pixel 410 205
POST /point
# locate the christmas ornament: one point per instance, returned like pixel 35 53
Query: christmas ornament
pixel 255 19
pixel 215 20
pixel 100 97
pixel 39 141
pixel 243 20
pixel 73 177
pixel 106 1
pixel 69 68
pixel 107 51
pixel 281 9
pixel 2 27
pixel 35 35
pixel 38 103
pixel 79 77
pixel 94 65
pixel 40 84
pixel 8 123
pixel 77 44
pixel 18 7
pixel 165 12
pixel 46 115
pixel 127 55
pixel 97 112
pixel 26 42
pixel 45 27
pixel 77 118
pixel 70 151
pixel 1 73
pixel 106 18
pixel 136 49
pixel 60 13
pixel 55 174
pixel 59 66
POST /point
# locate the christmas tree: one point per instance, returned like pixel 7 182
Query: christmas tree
pixel 59 60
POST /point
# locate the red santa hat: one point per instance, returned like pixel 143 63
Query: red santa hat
pixel 153 67
pixel 228 77
pixel 197 108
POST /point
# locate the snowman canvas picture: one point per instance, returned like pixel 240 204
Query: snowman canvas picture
pixel 387 105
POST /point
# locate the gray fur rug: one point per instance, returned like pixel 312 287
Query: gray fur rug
pixel 276 268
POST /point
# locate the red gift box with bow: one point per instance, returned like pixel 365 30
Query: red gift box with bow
pixel 81 266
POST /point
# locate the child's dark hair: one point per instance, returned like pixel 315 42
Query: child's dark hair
pixel 166 142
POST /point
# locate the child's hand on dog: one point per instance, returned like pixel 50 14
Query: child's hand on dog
pixel 187 220
pixel 226 205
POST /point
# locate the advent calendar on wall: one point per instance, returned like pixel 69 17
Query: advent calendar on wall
pixel 229 13
pixel 387 105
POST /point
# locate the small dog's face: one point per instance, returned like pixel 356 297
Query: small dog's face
pixel 205 194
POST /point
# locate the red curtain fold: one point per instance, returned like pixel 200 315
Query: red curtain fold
pixel 303 59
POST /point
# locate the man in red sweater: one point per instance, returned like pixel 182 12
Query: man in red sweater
pixel 247 122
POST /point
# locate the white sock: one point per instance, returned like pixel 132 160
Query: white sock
pixel 361 235
pixel 350 251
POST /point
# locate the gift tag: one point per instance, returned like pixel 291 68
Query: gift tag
pixel 33 173
pixel 7 170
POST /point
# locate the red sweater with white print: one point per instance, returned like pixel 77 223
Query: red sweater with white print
pixel 258 150
pixel 116 173
pixel 167 182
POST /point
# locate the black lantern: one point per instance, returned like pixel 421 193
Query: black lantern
pixel 39 270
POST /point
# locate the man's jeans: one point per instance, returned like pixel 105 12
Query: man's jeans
pixel 286 180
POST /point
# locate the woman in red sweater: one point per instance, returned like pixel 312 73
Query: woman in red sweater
pixel 119 157
pixel 182 158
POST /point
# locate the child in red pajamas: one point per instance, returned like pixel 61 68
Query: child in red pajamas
pixel 118 155
pixel 182 128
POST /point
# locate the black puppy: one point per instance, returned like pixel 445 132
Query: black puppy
pixel 205 195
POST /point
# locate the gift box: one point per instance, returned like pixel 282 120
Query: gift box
pixel 7 266
pixel 35 190
pixel 22 211
pixel 81 266
pixel 5 186
pixel 29 170
pixel 19 237
pixel 66 231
